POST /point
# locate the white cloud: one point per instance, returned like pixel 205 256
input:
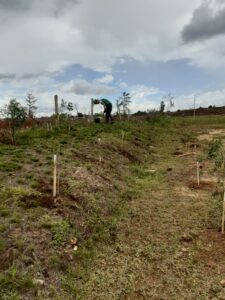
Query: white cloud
pixel 37 37
pixel 144 98
pixel 41 37
pixel 38 40
pixel 83 87
pixel 123 85
pixel 108 78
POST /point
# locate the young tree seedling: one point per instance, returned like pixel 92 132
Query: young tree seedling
pixel 31 105
pixel 216 153
pixel 16 115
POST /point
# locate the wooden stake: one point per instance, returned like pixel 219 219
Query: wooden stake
pixel 58 169
pixel 57 109
pixel 99 142
pixel 56 105
pixel 55 176
pixel 198 175
pixel 186 154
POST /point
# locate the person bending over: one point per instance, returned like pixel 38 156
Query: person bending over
pixel 107 108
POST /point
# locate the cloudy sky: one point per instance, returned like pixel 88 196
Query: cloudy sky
pixel 81 49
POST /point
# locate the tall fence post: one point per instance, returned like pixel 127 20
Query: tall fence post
pixel 56 106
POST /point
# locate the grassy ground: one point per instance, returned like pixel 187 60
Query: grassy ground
pixel 142 228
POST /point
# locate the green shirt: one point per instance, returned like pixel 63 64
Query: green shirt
pixel 105 101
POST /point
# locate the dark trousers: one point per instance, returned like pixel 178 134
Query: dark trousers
pixel 108 112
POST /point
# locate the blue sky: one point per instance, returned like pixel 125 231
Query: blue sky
pixel 81 49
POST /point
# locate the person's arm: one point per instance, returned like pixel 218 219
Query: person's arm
pixel 103 106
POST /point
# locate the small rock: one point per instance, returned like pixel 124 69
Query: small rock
pixel 169 169
pixel 151 171
pixel 184 250
pixel 74 241
pixel 75 248
pixel 39 282
pixel 222 282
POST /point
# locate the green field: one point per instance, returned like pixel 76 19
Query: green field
pixel 129 221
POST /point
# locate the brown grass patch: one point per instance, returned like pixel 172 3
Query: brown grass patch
pixel 212 253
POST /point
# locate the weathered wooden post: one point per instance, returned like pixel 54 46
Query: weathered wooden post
pixel 56 104
pixel 92 109
pixel 56 107
pixel 198 175
pixel 100 157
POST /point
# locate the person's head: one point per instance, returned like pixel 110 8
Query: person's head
pixel 96 101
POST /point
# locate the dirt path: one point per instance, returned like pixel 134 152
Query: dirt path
pixel 157 248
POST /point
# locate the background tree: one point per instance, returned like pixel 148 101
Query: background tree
pixel 63 106
pixel 162 106
pixel 70 107
pixel 16 114
pixel 31 101
pixel 124 101
pixel 169 101
pixel 66 108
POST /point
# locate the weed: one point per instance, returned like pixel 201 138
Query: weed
pixel 34 184
pixel 16 218
pixel 9 166
pixel 2 245
pixel 4 212
pixel 60 233
pixel 214 215
pixel 9 295
pixel 13 280
pixel 3 228
pixel 34 159
pixel 215 152
pixel 54 261
pixel 60 229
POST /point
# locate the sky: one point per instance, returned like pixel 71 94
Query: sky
pixel 83 49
